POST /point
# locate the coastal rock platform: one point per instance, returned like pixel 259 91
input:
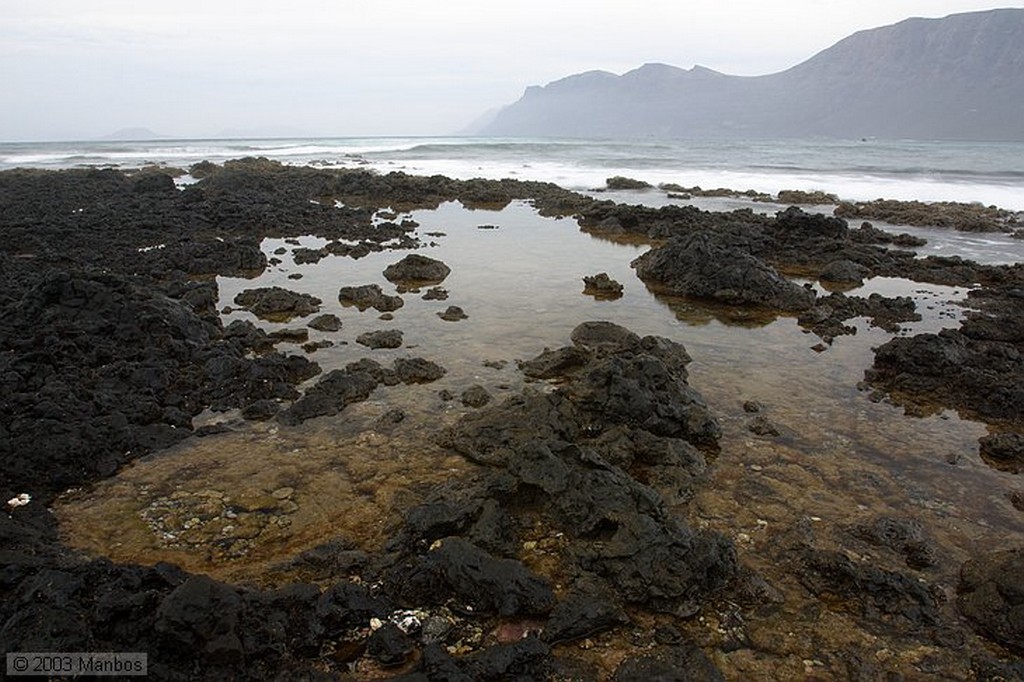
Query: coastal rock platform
pixel 594 510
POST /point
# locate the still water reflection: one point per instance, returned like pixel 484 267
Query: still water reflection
pixel 842 454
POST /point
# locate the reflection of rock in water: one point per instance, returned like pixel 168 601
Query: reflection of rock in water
pixel 700 312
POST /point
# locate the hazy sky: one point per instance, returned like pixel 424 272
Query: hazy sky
pixel 85 68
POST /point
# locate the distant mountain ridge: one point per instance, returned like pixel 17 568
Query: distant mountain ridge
pixel 958 78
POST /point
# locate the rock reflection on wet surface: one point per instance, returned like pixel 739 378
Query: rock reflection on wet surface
pixel 804 450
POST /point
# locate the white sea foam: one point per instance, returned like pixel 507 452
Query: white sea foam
pixel 855 170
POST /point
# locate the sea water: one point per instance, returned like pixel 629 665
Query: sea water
pixel 857 170
pixel 842 455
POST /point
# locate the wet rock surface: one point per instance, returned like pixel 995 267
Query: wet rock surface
pixel 416 270
pixel 275 303
pixel 991 595
pixel 978 368
pixel 703 266
pixel 342 387
pixel 369 296
pixel 383 338
pixel 569 447
pixel 453 313
pixel 671 664
pixel 1004 451
pixel 960 216
pixel 829 313
pixel 475 396
pixel 573 528
pixel 602 287
pixel 325 323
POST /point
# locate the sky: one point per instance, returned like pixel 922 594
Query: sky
pixel 81 69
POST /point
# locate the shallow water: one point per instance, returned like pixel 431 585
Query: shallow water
pixel 520 283
pixel 843 456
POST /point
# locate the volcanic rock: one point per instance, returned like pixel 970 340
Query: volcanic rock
pixel 369 296
pixel 417 370
pixel 457 569
pixel 275 303
pixel 453 313
pixel 684 663
pixel 702 265
pixel 991 595
pixel 416 270
pixel 325 323
pixel 844 272
pixel 1004 451
pixel 330 395
pixel 383 338
pixel 602 287
pixel 475 396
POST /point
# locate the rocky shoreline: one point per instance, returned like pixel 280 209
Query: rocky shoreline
pixel 568 527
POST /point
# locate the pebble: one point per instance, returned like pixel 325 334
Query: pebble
pixel 282 493
pixel 210 493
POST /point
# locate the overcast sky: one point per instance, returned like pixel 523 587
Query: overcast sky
pixel 75 69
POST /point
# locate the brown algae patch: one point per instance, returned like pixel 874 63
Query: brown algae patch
pixel 231 504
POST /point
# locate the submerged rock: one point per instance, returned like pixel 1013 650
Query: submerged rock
pixel 875 594
pixel 1004 451
pixel 684 663
pixel 475 396
pixel 290 335
pixel 991 595
pixel 904 536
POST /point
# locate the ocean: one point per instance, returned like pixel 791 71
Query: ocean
pixel 861 169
